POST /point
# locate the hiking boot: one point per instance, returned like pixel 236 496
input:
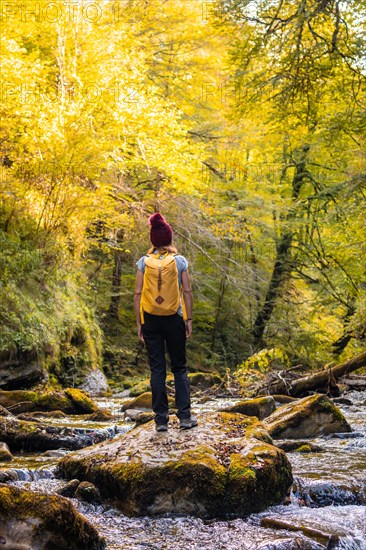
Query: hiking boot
pixel 187 423
pixel 161 427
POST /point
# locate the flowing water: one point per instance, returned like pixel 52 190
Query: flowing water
pixel 327 500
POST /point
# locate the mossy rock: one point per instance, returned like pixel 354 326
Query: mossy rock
pixel 223 467
pixel 311 416
pixel 70 401
pixel 36 520
pixel 82 403
pixel 261 407
pixel 143 403
pixel 22 435
pixel 204 380
pixel 144 386
pixel 294 445
pixel 140 417
pixel 31 416
pixel 100 416
pixel 5 454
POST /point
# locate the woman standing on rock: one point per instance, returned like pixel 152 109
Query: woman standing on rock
pixel 163 317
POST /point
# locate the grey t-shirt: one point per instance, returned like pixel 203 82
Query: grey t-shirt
pixel 182 265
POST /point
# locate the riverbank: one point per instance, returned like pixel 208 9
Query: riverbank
pixel 327 499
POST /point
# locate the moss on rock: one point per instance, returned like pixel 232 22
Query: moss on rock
pixel 308 417
pixel 143 403
pixel 204 380
pixel 70 401
pixel 206 471
pixel 5 454
pixel 82 403
pixel 44 521
pixel 261 407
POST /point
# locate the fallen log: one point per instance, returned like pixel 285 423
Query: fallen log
pixel 319 380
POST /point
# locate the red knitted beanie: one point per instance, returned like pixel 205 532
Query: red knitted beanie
pixel 161 233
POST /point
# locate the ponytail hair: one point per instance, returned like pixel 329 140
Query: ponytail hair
pixel 166 248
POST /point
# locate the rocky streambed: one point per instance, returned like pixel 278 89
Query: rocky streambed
pixel 325 508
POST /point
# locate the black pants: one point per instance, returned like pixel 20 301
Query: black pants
pixel 170 329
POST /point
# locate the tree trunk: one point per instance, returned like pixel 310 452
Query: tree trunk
pixel 264 314
pixel 341 344
pixel 319 379
pixel 220 300
pixel 283 256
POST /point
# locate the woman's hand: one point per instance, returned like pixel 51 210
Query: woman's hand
pixel 189 328
pixel 139 333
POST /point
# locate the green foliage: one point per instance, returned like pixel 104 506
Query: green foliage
pixel 246 130
pixel 253 370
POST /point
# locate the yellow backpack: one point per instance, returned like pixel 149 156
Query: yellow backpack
pixel 161 294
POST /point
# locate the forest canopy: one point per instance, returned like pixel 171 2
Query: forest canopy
pixel 243 122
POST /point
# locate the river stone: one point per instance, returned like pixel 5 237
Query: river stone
pixel 224 466
pixel 296 445
pixel 69 401
pixel 21 435
pixel 95 383
pixel 41 522
pixel 311 416
pixel 261 407
pixel 140 417
pixel 102 415
pixel 33 416
pixel 88 492
pixel 143 403
pixel 204 380
pixel 69 489
pixel 5 454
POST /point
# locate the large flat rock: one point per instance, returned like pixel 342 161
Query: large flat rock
pixel 225 466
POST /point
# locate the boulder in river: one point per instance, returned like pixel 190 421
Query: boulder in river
pixel 21 435
pixel 311 416
pixel 204 380
pixel 224 466
pixel 88 492
pixel 140 417
pixel 41 522
pixel 95 383
pixel 261 407
pixel 70 401
pixel 143 403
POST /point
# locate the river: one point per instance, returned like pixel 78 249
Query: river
pixel 328 496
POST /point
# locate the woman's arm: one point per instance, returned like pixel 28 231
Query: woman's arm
pixel 188 300
pixel 137 301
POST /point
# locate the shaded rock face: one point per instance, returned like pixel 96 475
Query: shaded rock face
pixel 224 467
pixel 95 383
pixel 69 401
pixel 261 407
pixel 20 370
pixel 308 417
pixel 43 522
pixel 21 435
